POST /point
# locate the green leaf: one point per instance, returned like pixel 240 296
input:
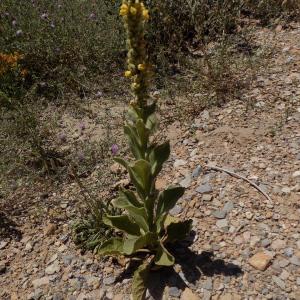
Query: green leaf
pixel 122 223
pixel 140 174
pixel 134 141
pixel 126 197
pixel 152 123
pixel 164 257
pixel 121 161
pixel 133 244
pixel 167 199
pixel 139 284
pixel 178 231
pixel 143 133
pixel 138 214
pixel 112 246
pixel 158 156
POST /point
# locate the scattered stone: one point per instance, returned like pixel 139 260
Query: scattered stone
pixel 295 260
pixel 265 243
pixel 54 268
pixel 186 182
pixel 179 163
pixel 228 207
pixel 57 297
pixel 118 297
pixel 50 229
pixel 285 275
pixel 174 291
pixel 249 215
pixel 40 282
pixel 204 188
pixel 208 284
pixel 176 210
pixel 207 197
pixel 109 280
pixel 222 223
pixel 196 172
pixel 298 281
pixel 230 296
pixel 283 263
pixel 67 259
pixel 189 295
pixel 3 245
pixel 289 252
pixel 219 214
pixel 286 190
pixel 278 244
pixel 296 174
pixel 260 260
pixel 279 282
pixel 28 247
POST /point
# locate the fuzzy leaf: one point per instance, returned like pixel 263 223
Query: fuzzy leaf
pixel 167 199
pixel 152 123
pixel 178 231
pixel 121 161
pixel 158 156
pixel 140 279
pixel 133 244
pixel 111 246
pixel 140 174
pixel 134 141
pixel 122 223
pixel 143 133
pixel 126 197
pixel 164 257
pixel 139 215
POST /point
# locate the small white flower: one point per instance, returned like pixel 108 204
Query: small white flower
pixel 19 32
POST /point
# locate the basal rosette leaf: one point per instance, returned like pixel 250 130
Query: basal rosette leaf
pixel 140 279
pixel 126 197
pixel 163 256
pixel 113 246
pixel 131 245
pixel 122 223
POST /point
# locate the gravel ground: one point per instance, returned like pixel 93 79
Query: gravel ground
pixel 245 246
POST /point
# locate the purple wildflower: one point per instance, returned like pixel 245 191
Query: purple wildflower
pixel 114 149
pixel 14 23
pixel 92 16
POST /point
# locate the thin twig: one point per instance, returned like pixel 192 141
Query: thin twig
pixel 240 177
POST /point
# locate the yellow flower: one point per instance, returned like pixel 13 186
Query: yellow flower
pixel 146 14
pixel 128 74
pixel 133 10
pixel 142 67
pixel 135 85
pixel 124 10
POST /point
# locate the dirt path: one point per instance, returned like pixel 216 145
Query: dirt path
pixel 245 246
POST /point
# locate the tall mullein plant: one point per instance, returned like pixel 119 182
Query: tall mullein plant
pixel 146 223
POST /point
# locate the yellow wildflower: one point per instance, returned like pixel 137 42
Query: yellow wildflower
pixel 133 10
pixel 142 67
pixel 135 86
pixel 128 74
pixel 146 14
pixel 124 10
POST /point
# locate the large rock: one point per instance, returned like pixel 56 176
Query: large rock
pixel 260 260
